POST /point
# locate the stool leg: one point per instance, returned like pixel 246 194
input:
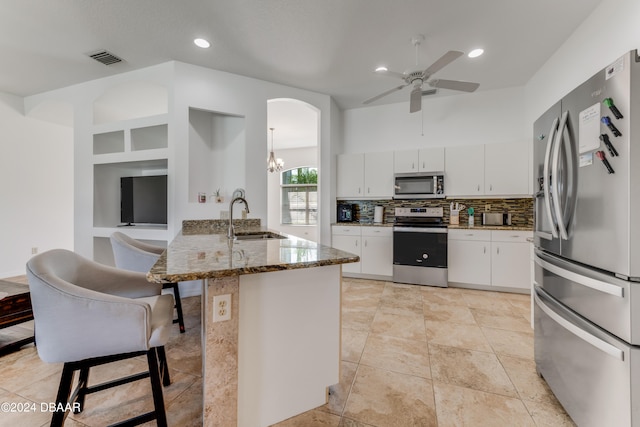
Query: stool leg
pixel 176 294
pixel 83 383
pixel 164 366
pixel 64 390
pixel 156 388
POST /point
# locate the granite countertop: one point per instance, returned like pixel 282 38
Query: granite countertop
pixel 490 227
pixel 449 226
pixel 203 254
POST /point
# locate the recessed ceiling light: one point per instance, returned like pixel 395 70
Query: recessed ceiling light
pixel 380 69
pixel 475 53
pixel 202 43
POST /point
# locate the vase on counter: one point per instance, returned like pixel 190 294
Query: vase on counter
pixel 471 220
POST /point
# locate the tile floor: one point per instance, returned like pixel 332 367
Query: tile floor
pixel 411 356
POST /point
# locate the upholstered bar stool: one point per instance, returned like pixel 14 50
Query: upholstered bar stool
pixel 134 255
pixel 88 314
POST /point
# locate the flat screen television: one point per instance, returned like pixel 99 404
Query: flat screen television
pixel 143 200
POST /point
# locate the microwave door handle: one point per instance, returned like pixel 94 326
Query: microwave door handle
pixel 546 182
pixel 559 141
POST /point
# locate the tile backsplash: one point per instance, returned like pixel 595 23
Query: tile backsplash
pixel 521 209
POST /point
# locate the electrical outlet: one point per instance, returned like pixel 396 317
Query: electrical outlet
pixel 34 250
pixel 221 307
pixel 487 207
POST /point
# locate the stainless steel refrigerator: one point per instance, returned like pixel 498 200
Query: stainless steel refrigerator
pixel 587 237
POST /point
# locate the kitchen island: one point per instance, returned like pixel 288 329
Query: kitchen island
pixel 280 349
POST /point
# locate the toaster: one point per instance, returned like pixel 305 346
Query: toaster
pixel 496 218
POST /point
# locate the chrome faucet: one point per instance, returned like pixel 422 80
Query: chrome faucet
pixel 231 234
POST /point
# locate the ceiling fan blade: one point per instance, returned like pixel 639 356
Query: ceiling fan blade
pixel 444 60
pixel 390 73
pixel 454 85
pixel 415 103
pixel 370 100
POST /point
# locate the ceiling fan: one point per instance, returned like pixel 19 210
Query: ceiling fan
pixel 418 78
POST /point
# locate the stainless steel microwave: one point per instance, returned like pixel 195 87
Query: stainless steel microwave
pixel 420 185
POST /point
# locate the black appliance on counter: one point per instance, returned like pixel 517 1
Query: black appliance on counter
pixel 420 247
pixel 346 212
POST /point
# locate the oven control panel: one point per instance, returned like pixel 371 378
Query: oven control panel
pixel 419 212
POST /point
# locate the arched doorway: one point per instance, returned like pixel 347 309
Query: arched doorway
pixel 292 205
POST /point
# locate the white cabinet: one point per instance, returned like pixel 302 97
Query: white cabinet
pixel 510 253
pixel 469 256
pixel 374 246
pixel 377 251
pixel 350 179
pixel 368 176
pixel 506 169
pixel 425 160
pixel 464 170
pixel 490 257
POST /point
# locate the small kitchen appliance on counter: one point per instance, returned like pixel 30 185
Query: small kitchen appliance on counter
pixel 496 218
pixel 420 247
pixel 346 212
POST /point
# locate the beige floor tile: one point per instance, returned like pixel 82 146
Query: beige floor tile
pixel 21 411
pixel 409 327
pixel 314 418
pixel 186 409
pixel 184 351
pixel 403 306
pixel 548 414
pixel 510 343
pixel 446 296
pixel 357 318
pixel 347 422
pixel 472 369
pixel 510 322
pixel 460 406
pixel 353 341
pixel 496 302
pixel 527 381
pixel 360 301
pixel 338 393
pixel 397 354
pixel 385 398
pixel 25 367
pixel 456 335
pixel 448 313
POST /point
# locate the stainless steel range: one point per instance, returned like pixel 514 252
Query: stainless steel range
pixel 420 246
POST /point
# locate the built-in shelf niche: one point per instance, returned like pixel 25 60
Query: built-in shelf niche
pixel 108 142
pixel 217 151
pixel 106 187
pixel 149 138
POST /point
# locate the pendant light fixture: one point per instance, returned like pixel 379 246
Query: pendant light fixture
pixel 273 164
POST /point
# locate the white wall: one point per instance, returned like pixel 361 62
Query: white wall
pixel 611 30
pixel 293 158
pixel 36 184
pixel 466 119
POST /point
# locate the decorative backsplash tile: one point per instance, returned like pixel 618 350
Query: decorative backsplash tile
pixel 521 209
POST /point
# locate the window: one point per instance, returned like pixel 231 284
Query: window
pixel 300 196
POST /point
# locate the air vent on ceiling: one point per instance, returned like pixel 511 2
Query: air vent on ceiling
pixel 105 57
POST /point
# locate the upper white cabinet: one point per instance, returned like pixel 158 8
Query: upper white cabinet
pixel 464 170
pixel 506 169
pixel 425 160
pixel 367 175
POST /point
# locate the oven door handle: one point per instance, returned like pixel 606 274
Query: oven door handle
pixel 420 230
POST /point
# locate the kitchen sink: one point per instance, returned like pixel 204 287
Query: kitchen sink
pixel 260 235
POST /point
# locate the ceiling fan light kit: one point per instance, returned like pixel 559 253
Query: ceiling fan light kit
pixel 417 78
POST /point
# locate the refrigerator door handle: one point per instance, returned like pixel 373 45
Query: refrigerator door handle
pixel 546 182
pixel 555 172
pixel 589 282
pixel 580 333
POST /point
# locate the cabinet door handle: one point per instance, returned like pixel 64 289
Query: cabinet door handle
pixel 423 164
pixel 490 187
pixel 365 243
pixel 413 165
pixel 356 243
pixel 478 187
pixel 498 250
pixel 484 250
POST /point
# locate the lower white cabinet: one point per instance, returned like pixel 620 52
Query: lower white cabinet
pixel 490 257
pixel 374 245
